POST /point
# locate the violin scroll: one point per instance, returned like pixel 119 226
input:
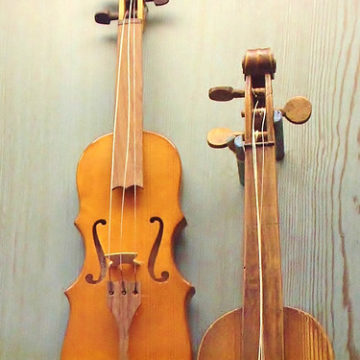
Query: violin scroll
pixel 259 62
pixel 257 65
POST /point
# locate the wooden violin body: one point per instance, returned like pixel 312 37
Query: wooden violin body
pixel 159 328
pixel 304 338
pixel 129 301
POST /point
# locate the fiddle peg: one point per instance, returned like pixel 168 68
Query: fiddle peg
pixel 297 110
pixel 106 17
pixel 225 93
pixel 219 138
pixel 159 2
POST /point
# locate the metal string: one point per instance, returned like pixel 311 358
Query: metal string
pixel 128 131
pixel 113 140
pixel 134 138
pixel 261 355
pixel 263 162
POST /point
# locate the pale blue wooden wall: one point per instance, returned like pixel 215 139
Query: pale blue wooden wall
pixel 56 95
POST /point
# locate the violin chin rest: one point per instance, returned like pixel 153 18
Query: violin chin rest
pixel 304 338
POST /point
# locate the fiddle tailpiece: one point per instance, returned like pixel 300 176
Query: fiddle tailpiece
pixel 263 329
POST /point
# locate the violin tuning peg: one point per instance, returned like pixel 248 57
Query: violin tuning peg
pixel 225 93
pixel 106 17
pixel 221 137
pixel 159 2
pixel 297 110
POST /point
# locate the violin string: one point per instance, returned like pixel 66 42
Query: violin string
pixel 134 138
pixel 113 140
pixel 258 223
pixel 261 334
pixel 263 161
pixel 128 132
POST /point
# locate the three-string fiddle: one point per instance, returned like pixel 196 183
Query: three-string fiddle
pixel 129 301
pixel 263 328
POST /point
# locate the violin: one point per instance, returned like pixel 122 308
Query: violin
pixel 263 329
pixel 129 300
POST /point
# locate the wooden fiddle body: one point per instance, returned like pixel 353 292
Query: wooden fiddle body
pixel 129 301
pixel 263 328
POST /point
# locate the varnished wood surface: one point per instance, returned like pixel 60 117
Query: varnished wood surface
pixel 271 275
pixel 130 76
pixel 92 331
pixel 57 71
pixel 304 338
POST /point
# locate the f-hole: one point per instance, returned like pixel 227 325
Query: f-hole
pixel 100 253
pixel 155 250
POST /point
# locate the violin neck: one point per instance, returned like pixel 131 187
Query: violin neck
pixel 128 129
pixel 271 265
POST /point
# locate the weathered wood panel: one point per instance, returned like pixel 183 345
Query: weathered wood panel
pixel 56 95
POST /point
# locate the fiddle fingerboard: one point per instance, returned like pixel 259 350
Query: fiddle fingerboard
pixel 128 129
pixel 271 264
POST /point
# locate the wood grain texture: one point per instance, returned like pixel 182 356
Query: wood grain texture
pixel 129 79
pixel 124 307
pixel 57 80
pixel 92 331
pixel 304 339
pixel 271 263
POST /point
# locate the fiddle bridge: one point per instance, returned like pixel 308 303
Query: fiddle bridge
pixel 119 258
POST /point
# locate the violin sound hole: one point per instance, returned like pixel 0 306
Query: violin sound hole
pixel 155 250
pixel 100 253
pixel 152 258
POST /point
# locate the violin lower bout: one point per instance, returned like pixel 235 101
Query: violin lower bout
pixel 304 338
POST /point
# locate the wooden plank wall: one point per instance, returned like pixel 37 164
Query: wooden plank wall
pixel 56 95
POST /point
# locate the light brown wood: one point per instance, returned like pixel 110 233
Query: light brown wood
pixel 272 285
pixel 159 329
pixel 298 110
pixel 304 338
pixel 225 93
pixel 262 285
pixel 122 258
pixel 221 137
pixel 128 150
pixel 269 106
pixel 124 298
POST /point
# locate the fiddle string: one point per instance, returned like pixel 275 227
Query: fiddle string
pixel 113 140
pixel 263 162
pixel 134 140
pixel 128 133
pixel 261 335
pixel 258 223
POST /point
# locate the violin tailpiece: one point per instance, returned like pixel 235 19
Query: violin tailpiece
pixel 124 298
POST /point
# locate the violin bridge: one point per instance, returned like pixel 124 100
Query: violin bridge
pixel 122 258
pixel 124 298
